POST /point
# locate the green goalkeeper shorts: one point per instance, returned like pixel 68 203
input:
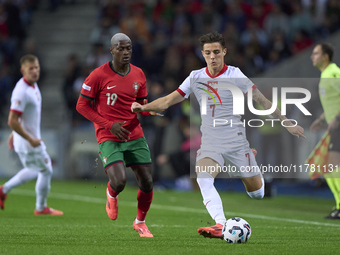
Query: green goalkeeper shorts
pixel 132 153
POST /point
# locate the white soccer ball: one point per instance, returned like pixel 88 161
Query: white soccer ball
pixel 236 230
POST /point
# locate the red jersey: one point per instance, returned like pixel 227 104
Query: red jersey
pixel 113 94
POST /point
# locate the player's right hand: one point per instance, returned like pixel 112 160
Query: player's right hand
pixel 120 132
pixel 136 107
pixel 34 142
pixel 316 125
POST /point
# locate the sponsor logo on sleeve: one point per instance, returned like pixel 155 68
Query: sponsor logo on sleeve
pixel 86 87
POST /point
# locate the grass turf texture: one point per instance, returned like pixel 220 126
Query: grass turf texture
pixel 283 225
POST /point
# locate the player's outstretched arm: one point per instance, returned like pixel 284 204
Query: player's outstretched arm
pixel 159 104
pixel 266 104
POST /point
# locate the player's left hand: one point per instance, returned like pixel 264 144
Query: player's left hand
pixel 297 131
pixel 136 107
pixel 333 125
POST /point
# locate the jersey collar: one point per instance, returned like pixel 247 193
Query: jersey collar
pixel 111 66
pixel 225 67
pixel 27 82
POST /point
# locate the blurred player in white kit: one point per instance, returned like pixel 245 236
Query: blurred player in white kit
pixel 24 119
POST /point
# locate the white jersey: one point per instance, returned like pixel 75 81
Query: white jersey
pixel 26 100
pixel 219 124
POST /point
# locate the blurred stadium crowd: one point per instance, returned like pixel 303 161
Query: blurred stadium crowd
pixel 259 34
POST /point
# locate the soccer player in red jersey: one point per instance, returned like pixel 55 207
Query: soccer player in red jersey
pixel 112 88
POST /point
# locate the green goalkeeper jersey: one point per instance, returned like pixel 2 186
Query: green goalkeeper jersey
pixel 329 91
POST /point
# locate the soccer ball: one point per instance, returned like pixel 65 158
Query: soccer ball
pixel 236 230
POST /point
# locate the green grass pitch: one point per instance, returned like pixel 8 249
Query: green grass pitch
pixel 282 225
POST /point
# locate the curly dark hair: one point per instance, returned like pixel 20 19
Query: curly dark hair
pixel 211 38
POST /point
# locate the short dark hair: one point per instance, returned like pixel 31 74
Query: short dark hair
pixel 328 49
pixel 212 38
pixel 28 58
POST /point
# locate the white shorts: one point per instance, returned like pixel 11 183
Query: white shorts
pixel 238 161
pixel 37 160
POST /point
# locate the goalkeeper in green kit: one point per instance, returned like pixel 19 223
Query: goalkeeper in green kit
pixel 329 91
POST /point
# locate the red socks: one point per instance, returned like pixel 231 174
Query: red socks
pixel 144 202
pixel 112 192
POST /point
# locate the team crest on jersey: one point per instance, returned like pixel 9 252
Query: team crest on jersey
pixel 210 91
pixel 135 86
pixel 104 160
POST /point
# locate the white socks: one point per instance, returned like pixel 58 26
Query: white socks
pixel 23 176
pixel 211 199
pixel 139 221
pixel 257 194
pixel 42 188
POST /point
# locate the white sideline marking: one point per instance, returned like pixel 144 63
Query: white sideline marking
pixel 172 208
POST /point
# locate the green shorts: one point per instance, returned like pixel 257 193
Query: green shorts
pixel 132 153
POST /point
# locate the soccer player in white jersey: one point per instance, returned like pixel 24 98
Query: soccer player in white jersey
pixel 221 145
pixel 24 119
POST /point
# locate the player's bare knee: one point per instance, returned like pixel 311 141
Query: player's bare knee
pixel 147 185
pixel 118 185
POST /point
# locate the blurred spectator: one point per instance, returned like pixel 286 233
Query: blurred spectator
pixel 254 32
pixel 183 161
pixel 72 72
pixel 333 12
pixel 207 17
pixel 14 23
pixel 300 20
pixel 5 88
pixel 78 119
pixel 236 15
pixel 316 8
pixel 152 61
pixel 273 59
pixel 136 21
pixel 280 45
pixel 301 42
pixel 172 63
pixel 277 21
pixel 231 34
pixel 98 56
pixel 102 33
